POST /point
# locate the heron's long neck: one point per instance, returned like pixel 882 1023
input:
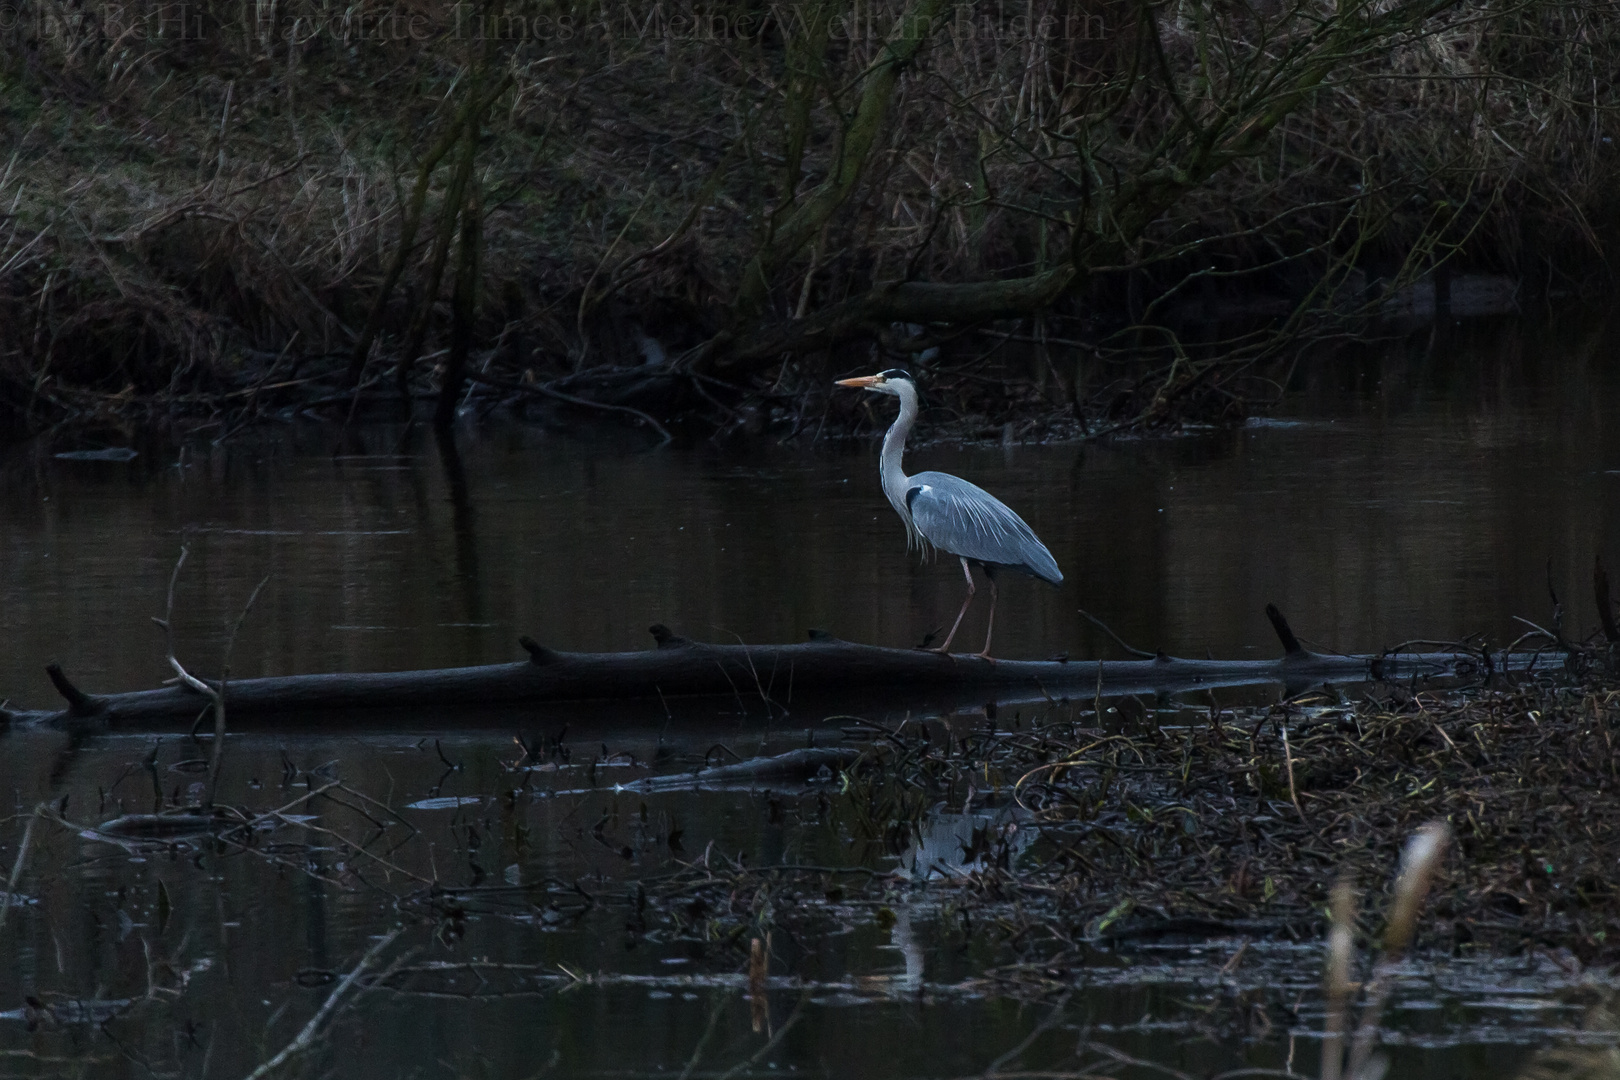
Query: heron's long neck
pixel 894 447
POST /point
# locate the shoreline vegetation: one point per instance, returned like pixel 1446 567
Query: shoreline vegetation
pixel 1107 214
pixel 1045 849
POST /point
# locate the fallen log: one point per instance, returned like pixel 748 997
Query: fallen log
pixel 794 766
pixel 821 668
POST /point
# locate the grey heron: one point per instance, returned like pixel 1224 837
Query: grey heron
pixel 948 513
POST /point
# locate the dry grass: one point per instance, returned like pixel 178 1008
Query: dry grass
pixel 1151 827
pixel 210 212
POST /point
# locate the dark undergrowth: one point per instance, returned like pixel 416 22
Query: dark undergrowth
pixel 213 215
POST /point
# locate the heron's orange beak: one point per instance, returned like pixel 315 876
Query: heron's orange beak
pixel 860 383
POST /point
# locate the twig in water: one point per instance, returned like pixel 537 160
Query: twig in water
pixel 1341 941
pixel 708 1033
pixel 216 755
pixel 1557 606
pixel 758 963
pixel 1104 627
pixel 1605 603
pixel 1419 862
pixel 771 1043
pixel 216 697
pixel 17 867
pixel 1555 638
pixel 306 1038
pixel 1288 760
pixel 166 625
pixel 1058 1010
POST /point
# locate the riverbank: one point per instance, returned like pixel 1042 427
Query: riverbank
pixel 221 216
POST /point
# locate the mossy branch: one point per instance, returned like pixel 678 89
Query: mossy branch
pixel 450 211
pixel 464 296
pixel 475 106
pixel 801 226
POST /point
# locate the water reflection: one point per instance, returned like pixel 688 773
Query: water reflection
pixel 1407 495
pixel 190 955
pixel 1417 492
pixel 952 845
pixel 904 940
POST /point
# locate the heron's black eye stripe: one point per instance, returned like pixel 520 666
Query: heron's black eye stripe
pixel 896 373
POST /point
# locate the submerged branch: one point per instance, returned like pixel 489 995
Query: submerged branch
pixel 306 1038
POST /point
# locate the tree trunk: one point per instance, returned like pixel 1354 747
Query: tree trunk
pixel 815 674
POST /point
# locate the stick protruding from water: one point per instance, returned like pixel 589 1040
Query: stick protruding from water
pixel 1419 862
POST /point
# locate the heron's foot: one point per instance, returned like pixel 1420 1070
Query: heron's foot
pixel 986 657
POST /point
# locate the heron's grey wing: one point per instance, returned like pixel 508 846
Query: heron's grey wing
pixel 964 519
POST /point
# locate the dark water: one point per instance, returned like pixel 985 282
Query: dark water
pixel 1398 497
pixel 200 959
pixel 1414 491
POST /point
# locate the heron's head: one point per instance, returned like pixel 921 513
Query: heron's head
pixel 884 382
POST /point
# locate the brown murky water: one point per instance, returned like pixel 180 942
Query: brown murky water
pixel 1418 492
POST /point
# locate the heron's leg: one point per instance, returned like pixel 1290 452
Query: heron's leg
pixel 966 600
pixel 991 626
